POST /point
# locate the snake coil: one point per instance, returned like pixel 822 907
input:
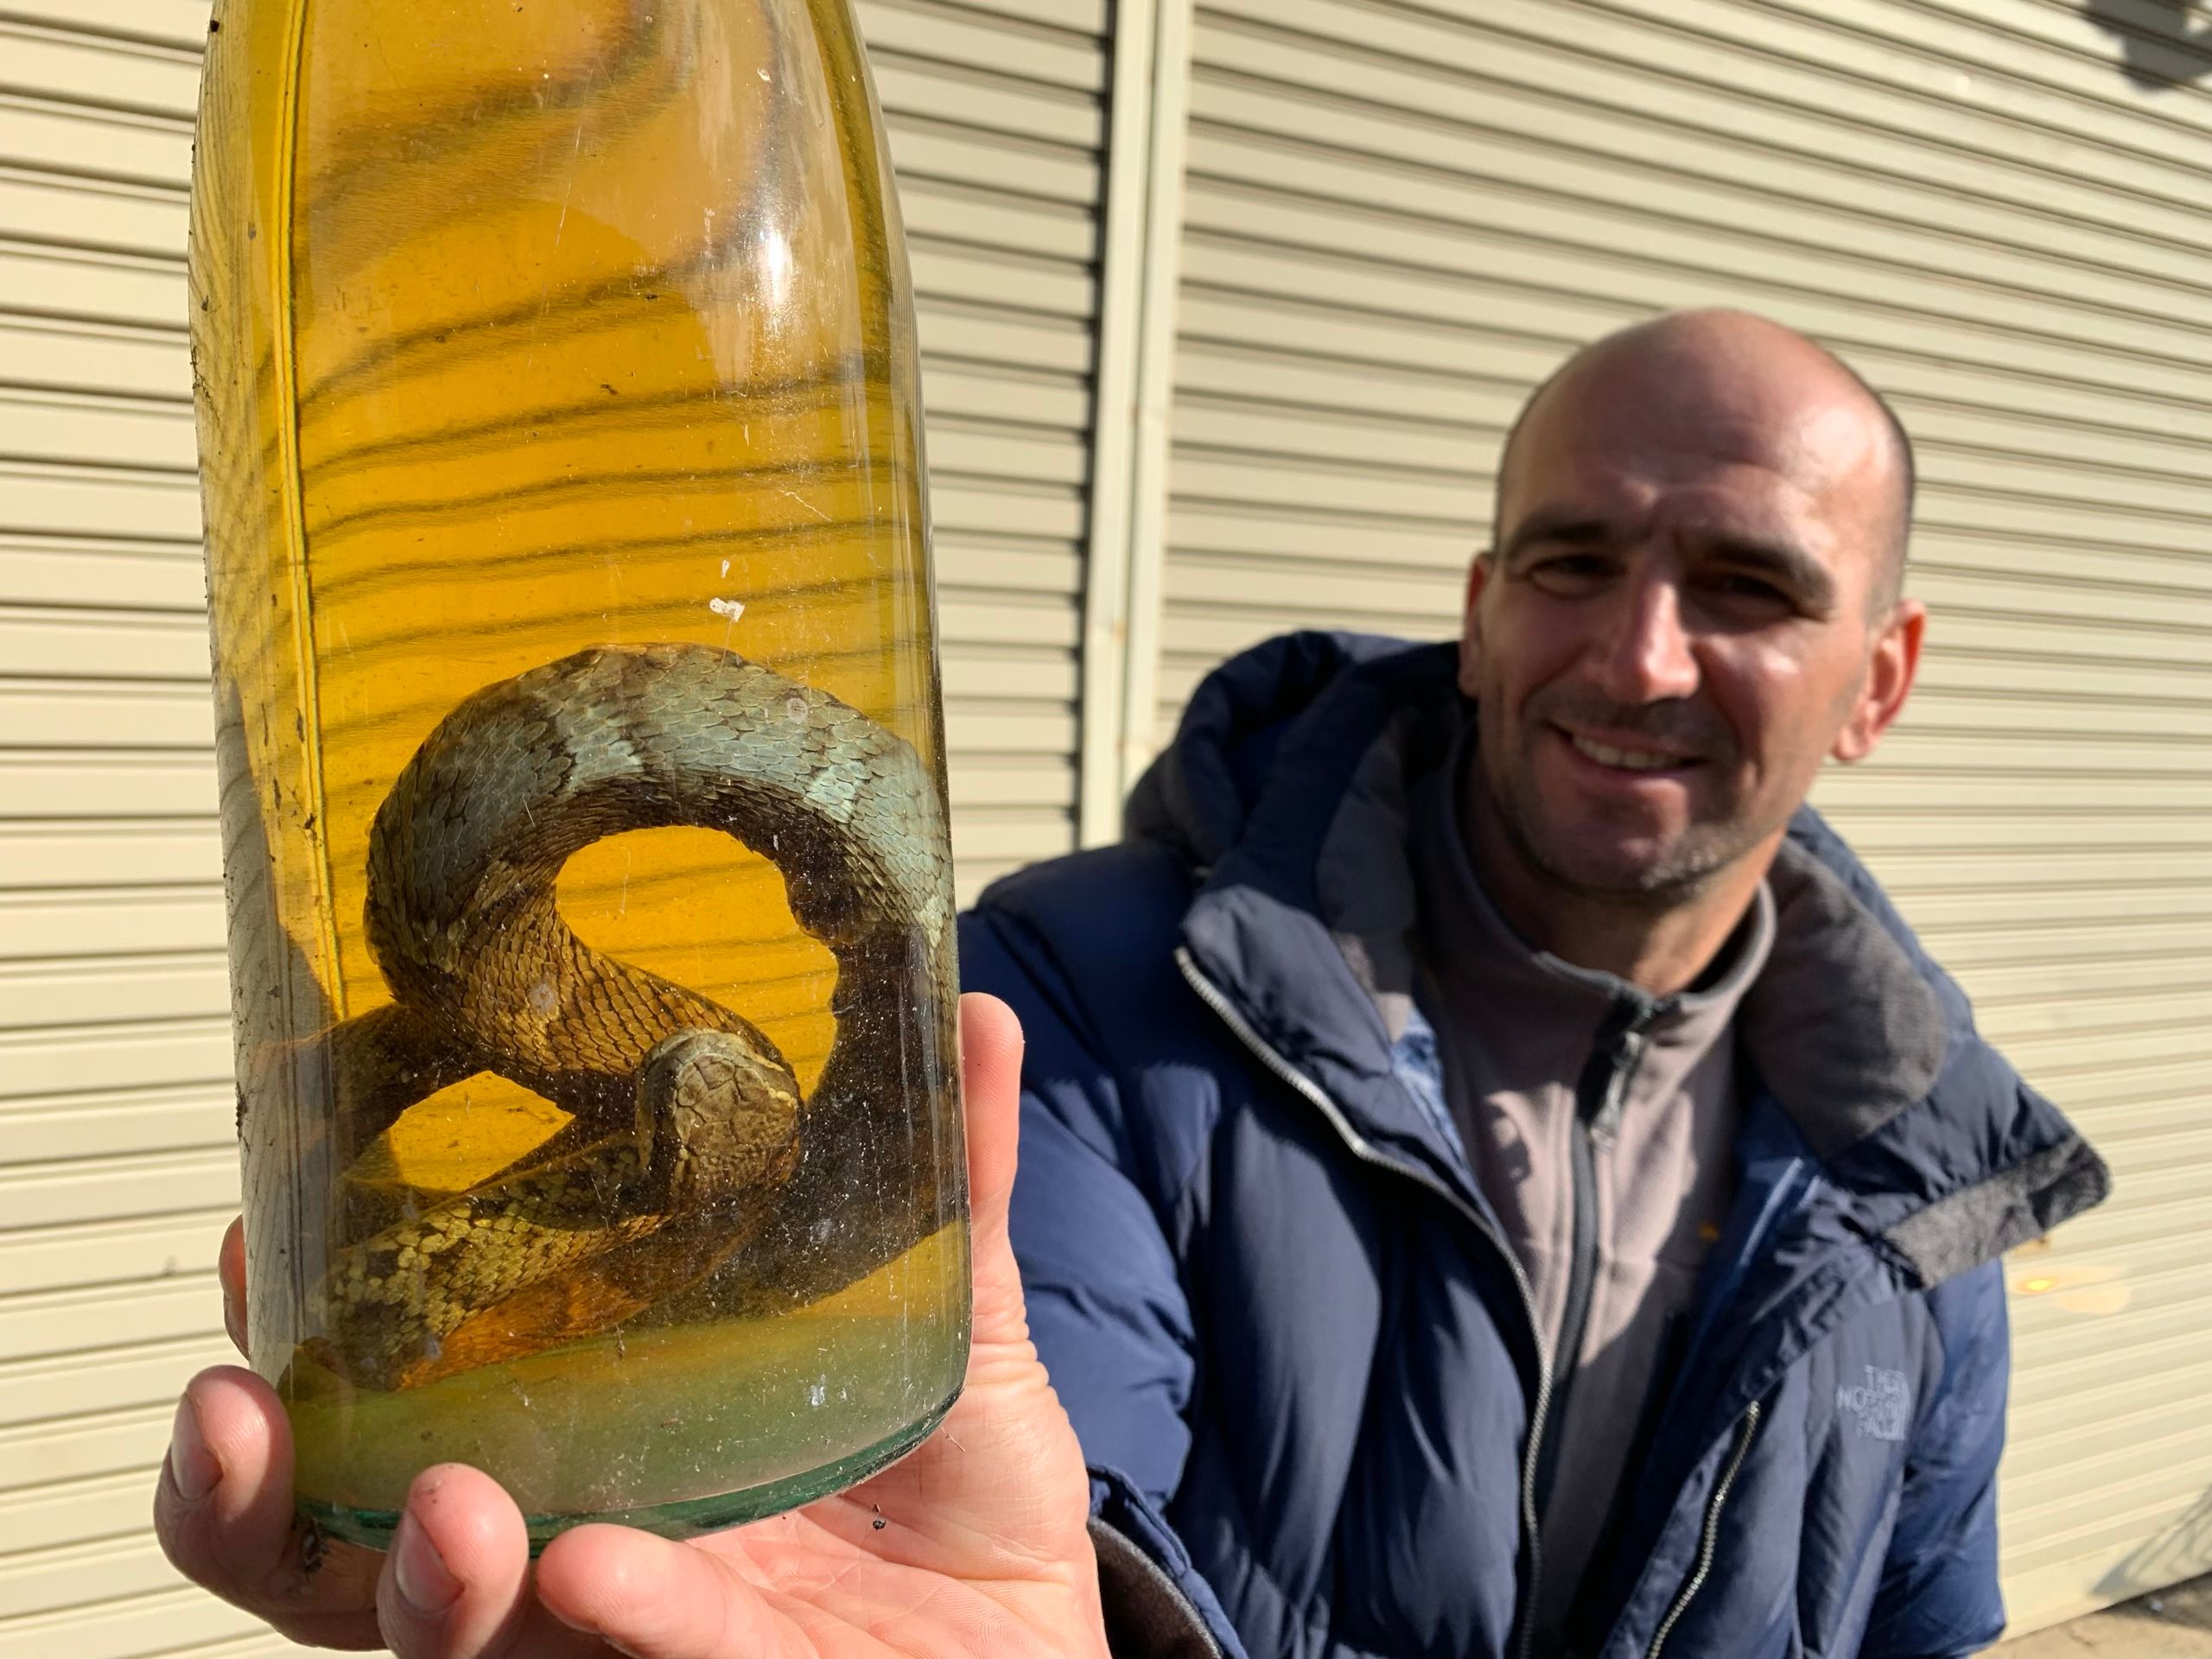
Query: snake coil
pixel 690 1143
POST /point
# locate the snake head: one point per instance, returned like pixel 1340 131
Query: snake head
pixel 717 1118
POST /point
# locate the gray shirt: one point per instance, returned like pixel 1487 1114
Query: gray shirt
pixel 1516 1028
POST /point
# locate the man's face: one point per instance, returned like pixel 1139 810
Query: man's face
pixel 1684 615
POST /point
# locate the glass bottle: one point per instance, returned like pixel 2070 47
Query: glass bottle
pixel 580 753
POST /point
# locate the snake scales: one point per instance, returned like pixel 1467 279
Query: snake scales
pixel 689 1146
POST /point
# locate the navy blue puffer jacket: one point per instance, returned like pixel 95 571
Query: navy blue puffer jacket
pixel 1280 1312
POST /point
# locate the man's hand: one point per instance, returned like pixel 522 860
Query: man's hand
pixel 975 1544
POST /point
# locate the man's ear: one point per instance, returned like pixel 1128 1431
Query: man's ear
pixel 1890 674
pixel 1470 628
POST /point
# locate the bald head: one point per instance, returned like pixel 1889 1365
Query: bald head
pixel 1750 392
pixel 1690 609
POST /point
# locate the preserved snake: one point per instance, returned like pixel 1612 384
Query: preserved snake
pixel 690 1143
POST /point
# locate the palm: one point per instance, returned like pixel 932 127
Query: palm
pixel 828 1595
pixel 974 1545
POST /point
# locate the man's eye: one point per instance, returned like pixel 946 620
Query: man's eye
pixel 1755 588
pixel 1567 570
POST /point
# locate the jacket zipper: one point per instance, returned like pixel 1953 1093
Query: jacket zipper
pixel 1598 1095
pixel 1709 1540
pixel 1366 1152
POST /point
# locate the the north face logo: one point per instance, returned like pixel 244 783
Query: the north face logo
pixel 1881 1407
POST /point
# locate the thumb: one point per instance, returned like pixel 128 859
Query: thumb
pixel 990 1081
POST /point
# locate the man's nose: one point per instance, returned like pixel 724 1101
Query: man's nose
pixel 1646 656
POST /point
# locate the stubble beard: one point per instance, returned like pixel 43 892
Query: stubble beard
pixel 1675 876
pixel 1679 870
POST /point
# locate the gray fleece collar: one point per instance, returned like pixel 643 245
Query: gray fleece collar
pixel 1839 1024
pixel 1289 779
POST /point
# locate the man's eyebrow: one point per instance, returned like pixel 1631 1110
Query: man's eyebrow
pixel 1796 569
pixel 1559 528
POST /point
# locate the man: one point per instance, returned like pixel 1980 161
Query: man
pixel 1498 1178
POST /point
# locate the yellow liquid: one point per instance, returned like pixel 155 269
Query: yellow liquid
pixel 525 328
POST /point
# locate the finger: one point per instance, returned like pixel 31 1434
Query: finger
pixel 990 1076
pixel 230 1267
pixel 224 1513
pixel 651 1598
pixel 456 1583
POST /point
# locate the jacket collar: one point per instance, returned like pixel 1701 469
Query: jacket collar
pixel 1285 788
pixel 1338 728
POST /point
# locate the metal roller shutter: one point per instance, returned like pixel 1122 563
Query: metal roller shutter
pixel 1400 215
pixel 117 1166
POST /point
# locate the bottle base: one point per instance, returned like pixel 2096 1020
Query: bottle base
pixel 374 1527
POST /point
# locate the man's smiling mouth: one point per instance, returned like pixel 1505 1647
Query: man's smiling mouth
pixel 1627 760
